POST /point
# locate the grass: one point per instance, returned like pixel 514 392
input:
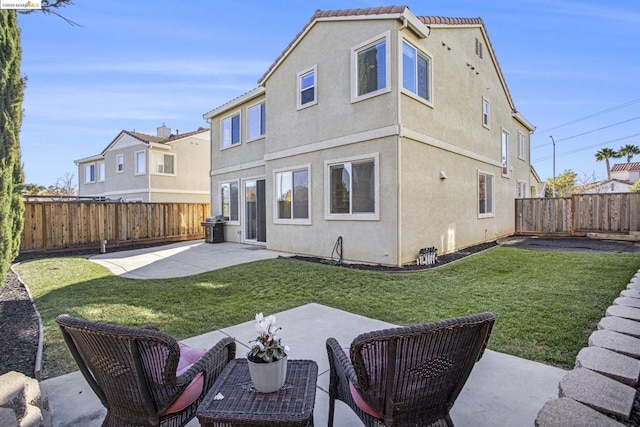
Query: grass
pixel 546 303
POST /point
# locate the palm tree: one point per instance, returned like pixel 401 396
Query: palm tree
pixel 629 151
pixel 606 154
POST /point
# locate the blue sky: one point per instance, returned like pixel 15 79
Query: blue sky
pixel 572 68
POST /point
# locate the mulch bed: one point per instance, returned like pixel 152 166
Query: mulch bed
pixel 19 328
pixel 442 260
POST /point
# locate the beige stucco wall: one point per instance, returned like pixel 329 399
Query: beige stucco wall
pixel 448 136
pixel 327 46
pixel 372 241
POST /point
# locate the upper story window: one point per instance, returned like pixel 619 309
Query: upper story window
pixel 521 146
pixel 163 163
pixel 141 162
pixel 416 71
pixel 292 194
pixel 353 188
pixel 370 68
pixel 229 201
pixel 256 125
pixel 90 173
pixel 505 153
pixel 101 172
pixel 120 163
pixel 307 88
pixel 485 113
pixel 230 128
pixel 485 195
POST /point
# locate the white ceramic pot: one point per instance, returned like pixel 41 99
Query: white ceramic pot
pixel 268 377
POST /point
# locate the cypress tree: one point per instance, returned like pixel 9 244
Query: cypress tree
pixel 11 172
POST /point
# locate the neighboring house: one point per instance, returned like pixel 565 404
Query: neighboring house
pixel 393 131
pixel 136 167
pixel 627 172
pixel 538 187
pixel 607 186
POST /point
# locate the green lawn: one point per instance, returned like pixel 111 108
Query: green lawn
pixel 546 303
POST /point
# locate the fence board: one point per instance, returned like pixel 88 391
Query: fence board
pixel 71 225
pixel 580 213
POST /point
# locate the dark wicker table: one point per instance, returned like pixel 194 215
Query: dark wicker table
pixel 242 405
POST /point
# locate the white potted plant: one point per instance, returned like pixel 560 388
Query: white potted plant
pixel 268 357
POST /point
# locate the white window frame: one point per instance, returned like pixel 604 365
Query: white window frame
pixel 303 221
pixel 154 153
pixel 521 146
pixel 491 213
pixel 220 204
pixel 419 52
pixel 520 184
pixel 92 175
pixel 486 113
pixel 119 162
pixel 100 171
pixel 374 216
pixel 299 76
pixel 504 150
pixel 261 126
pixel 137 163
pixel 230 117
pixel 384 37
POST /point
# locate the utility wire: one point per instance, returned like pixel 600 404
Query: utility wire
pixel 608 110
pixel 588 132
pixel 577 150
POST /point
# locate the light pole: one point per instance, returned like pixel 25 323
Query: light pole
pixel 554 167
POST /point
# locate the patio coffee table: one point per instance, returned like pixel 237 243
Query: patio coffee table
pixel 242 405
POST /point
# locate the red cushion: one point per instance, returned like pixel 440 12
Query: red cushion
pixel 188 356
pixel 364 406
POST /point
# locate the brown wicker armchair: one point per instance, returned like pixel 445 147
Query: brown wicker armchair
pixel 409 376
pixel 141 375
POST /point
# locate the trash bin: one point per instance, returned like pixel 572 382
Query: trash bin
pixel 213 230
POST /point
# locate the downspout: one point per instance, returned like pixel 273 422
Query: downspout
pixel 148 163
pixel 399 141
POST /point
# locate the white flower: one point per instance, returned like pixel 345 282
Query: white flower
pixel 287 349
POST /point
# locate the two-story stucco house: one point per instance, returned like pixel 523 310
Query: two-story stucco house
pixel 136 167
pixel 391 130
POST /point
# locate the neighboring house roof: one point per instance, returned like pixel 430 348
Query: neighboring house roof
pixel 621 167
pixel 151 139
pixel 593 185
pixel 142 137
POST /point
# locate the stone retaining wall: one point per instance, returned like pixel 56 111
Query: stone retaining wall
pixel 21 404
pixel 601 390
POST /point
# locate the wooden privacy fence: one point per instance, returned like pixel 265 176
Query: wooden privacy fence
pixel 55 226
pixel 579 214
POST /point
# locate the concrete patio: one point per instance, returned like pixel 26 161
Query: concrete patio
pixel 502 390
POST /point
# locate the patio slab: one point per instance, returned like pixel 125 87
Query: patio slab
pixel 502 389
pixel 181 259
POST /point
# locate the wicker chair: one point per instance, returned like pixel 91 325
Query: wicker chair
pixel 409 376
pixel 141 375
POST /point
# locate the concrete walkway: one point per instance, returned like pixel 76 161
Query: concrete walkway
pixel 181 259
pixel 502 390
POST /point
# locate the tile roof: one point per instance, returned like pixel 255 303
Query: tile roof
pixel 635 166
pixel 443 20
pixel 151 139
